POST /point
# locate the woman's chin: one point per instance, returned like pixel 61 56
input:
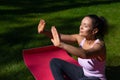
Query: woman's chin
pixel 81 35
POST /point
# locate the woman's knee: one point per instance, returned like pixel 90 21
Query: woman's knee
pixel 55 62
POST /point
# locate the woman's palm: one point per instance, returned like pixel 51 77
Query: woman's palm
pixel 56 38
pixel 41 26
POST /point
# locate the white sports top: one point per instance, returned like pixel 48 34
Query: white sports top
pixel 92 67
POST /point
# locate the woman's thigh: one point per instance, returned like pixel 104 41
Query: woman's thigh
pixel 89 78
pixel 71 70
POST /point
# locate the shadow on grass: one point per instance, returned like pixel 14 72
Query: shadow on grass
pixel 23 74
pixel 13 41
pixel 47 6
pixel 113 72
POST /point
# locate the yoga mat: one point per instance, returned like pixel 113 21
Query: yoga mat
pixel 37 60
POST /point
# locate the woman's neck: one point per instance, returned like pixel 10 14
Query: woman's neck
pixel 90 40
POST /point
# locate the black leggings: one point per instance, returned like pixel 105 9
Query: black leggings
pixel 60 68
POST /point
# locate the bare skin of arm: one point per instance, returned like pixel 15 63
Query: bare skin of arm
pixel 41 29
pixel 63 37
pixel 59 39
pixel 97 51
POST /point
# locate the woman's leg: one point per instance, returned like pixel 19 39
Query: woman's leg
pixel 59 67
pixel 89 78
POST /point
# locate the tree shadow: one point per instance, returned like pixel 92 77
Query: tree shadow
pixel 18 75
pixel 15 40
pixel 26 34
pixel 113 72
pixel 47 6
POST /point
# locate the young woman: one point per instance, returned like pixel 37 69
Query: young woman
pixel 91 51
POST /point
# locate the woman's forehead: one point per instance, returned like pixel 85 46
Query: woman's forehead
pixel 87 20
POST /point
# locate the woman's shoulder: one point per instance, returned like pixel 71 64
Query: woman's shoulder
pixel 100 42
pixel 100 46
pixel 79 38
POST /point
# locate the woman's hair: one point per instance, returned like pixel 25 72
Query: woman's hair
pixel 100 23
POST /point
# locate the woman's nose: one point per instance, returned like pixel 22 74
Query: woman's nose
pixel 81 27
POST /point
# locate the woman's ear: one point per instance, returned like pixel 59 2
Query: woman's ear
pixel 95 30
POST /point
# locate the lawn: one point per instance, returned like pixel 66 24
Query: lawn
pixel 18 30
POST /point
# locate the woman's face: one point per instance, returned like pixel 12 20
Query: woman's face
pixel 86 27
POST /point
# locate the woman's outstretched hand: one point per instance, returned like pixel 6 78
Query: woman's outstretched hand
pixel 56 39
pixel 41 26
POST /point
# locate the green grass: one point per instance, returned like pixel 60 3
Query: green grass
pixel 18 30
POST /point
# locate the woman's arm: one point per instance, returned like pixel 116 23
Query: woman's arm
pixel 97 51
pixel 57 42
pixel 63 37
pixel 41 29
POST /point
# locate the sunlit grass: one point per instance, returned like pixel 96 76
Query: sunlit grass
pixel 18 31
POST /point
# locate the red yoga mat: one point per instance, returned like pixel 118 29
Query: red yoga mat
pixel 37 60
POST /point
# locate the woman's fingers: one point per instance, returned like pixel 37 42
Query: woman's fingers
pixel 54 32
pixel 56 39
pixel 41 26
